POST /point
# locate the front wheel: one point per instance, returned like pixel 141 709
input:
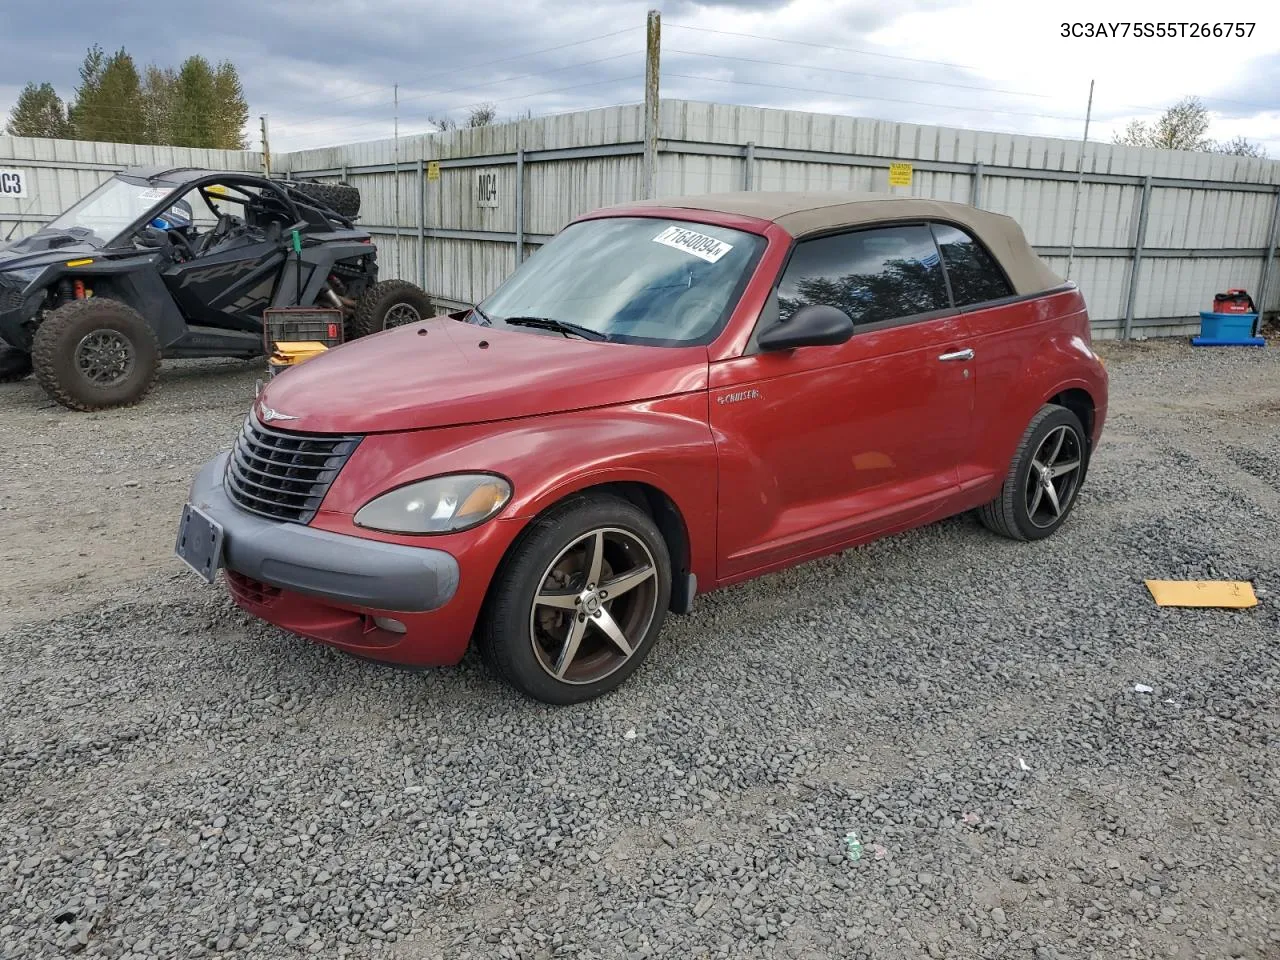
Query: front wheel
pixel 94 354
pixel 1043 479
pixel 580 601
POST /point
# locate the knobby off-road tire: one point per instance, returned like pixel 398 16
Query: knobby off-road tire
pixel 391 303
pixel 342 198
pixel 538 599
pixel 95 354
pixel 1025 509
pixel 15 364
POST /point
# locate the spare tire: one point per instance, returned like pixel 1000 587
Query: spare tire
pixel 342 198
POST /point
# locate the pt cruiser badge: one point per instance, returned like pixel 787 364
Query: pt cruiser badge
pixel 269 415
pixel 739 397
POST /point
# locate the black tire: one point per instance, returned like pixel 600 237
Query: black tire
pixel 406 302
pixel 511 626
pixel 342 198
pixel 1011 514
pixel 61 344
pixel 15 364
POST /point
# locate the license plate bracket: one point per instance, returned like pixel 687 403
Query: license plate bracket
pixel 199 543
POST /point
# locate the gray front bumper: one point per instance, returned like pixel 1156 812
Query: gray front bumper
pixel 349 570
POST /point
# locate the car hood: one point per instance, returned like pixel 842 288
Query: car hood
pixel 459 373
pixel 43 248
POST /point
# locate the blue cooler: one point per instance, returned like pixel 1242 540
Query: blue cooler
pixel 1228 330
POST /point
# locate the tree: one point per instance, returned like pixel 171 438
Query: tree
pixel 481 115
pixel 39 112
pixel 90 86
pixel 195 106
pixel 157 103
pixel 231 111
pixel 195 95
pixel 1184 127
pixel 1240 147
pixel 109 99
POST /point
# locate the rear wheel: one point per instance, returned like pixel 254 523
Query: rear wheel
pixel 1044 478
pixel 391 303
pixel 15 364
pixel 580 601
pixel 94 354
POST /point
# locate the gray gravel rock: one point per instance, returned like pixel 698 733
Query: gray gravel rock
pixel 177 780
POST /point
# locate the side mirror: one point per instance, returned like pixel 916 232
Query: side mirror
pixel 814 325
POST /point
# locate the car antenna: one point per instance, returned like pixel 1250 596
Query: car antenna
pixel 17 222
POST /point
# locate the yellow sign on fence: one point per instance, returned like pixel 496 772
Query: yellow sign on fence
pixel 899 174
pixel 433 170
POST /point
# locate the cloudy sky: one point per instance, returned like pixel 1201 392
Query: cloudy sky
pixel 324 71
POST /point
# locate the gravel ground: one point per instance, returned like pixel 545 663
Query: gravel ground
pixel 179 781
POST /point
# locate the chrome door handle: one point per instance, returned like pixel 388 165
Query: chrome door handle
pixel 965 354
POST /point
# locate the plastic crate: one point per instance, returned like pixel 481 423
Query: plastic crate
pixel 1227 329
pixel 296 324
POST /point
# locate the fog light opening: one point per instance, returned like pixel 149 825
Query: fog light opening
pixel 388 624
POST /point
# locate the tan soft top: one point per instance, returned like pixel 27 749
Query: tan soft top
pixel 803 213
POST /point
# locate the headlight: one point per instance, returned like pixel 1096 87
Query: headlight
pixel 440 505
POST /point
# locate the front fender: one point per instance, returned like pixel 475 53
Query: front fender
pixel 135 281
pixel 665 444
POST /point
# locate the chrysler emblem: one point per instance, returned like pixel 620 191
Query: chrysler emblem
pixel 268 415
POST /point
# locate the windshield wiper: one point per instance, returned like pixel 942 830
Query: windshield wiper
pixel 559 326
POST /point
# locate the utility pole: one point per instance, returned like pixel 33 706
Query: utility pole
pixel 653 49
pixel 266 147
pixel 1071 251
pixel 396 164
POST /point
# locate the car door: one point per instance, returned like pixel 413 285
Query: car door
pixel 825 445
pixel 1004 331
pixel 231 282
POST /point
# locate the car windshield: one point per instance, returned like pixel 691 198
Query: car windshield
pixel 110 210
pixel 629 279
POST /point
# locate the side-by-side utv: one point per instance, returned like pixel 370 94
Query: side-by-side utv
pixel 160 263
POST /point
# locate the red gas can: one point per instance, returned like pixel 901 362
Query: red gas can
pixel 1233 301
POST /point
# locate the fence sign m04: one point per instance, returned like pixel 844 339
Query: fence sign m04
pixel 486 188
pixel 13 184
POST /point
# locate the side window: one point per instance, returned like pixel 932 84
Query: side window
pixel 975 277
pixel 872 275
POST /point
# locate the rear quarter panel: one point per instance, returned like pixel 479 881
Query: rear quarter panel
pixel 1026 353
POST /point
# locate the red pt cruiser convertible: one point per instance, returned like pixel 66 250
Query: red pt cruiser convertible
pixel 667 398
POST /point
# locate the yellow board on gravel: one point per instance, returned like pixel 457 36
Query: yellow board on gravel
pixel 1235 594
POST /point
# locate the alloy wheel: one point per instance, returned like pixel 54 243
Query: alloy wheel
pixel 1054 476
pixel 400 314
pixel 104 357
pixel 594 605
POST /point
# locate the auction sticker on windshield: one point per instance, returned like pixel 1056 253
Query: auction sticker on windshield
pixel 690 241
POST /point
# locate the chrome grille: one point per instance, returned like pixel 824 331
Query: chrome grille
pixel 284 475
